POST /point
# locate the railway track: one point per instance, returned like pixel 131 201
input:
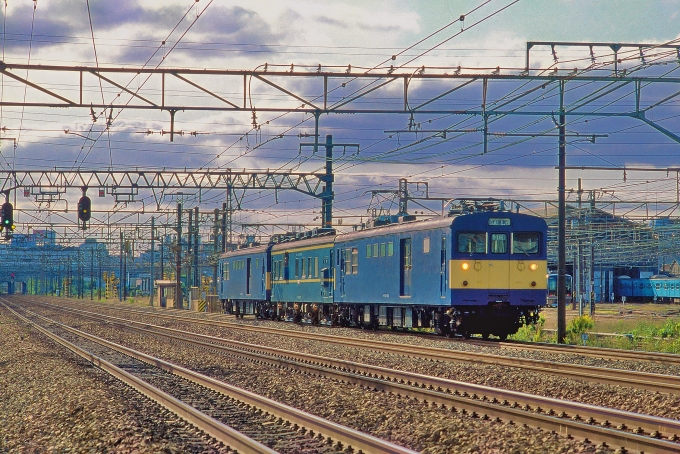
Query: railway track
pixel 640 380
pixel 613 427
pixel 266 421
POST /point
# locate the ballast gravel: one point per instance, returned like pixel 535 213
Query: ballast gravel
pixel 406 422
pixel 51 401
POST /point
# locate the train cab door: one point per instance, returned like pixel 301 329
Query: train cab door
pixel 405 266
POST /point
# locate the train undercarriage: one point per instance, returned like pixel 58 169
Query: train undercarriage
pixel 498 319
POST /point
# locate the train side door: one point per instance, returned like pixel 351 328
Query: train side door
pixel 286 267
pixel 443 284
pixel 263 277
pixel 405 266
pixel 343 269
pixel 248 275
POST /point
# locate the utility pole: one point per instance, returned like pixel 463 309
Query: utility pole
pixel 216 246
pixel 91 273
pixel 151 271
pixel 190 232
pixel 562 225
pixel 224 223
pixel 99 281
pixel 197 280
pixel 178 258
pixel 120 287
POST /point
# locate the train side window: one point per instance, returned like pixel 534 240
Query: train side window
pixel 383 250
pixel 368 251
pixel 525 242
pixel 499 243
pixel 426 245
pixel 297 267
pixel 355 260
pixel 472 242
pixel 225 271
pixel 316 266
pixel 375 249
pixel 309 267
pixel 390 249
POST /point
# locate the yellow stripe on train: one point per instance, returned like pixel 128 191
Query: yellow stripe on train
pixel 498 274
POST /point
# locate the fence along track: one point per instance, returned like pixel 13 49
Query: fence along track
pixel 482 401
pixel 350 437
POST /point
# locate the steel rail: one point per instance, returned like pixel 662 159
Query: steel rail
pixel 639 380
pixel 351 437
pixel 214 428
pixel 645 422
pixel 595 352
pixel 477 398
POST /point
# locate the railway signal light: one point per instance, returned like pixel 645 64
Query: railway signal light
pixel 7 217
pixel 84 210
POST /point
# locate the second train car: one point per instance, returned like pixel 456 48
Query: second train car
pixel 481 272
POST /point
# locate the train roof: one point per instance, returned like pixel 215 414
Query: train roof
pixel 304 243
pixel 261 249
pixel 410 226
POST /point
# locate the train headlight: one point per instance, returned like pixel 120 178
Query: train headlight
pixel 533 266
pixel 465 266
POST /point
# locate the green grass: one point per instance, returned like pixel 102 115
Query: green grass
pixel 646 327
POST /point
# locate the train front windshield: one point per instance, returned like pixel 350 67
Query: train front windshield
pixel 552 285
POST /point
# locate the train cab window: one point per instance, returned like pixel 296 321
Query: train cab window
pixel 426 245
pixel 369 251
pixel 657 286
pixel 355 261
pixel 525 242
pixel 225 271
pixel 499 243
pixel 375 249
pixel 472 242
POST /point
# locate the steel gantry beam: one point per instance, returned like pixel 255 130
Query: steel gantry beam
pixel 250 90
pixel 55 181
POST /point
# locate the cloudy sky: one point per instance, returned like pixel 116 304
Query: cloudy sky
pixel 246 35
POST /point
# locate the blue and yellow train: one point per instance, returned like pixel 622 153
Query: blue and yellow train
pixel 481 272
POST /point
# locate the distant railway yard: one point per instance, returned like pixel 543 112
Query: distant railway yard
pixel 195 382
